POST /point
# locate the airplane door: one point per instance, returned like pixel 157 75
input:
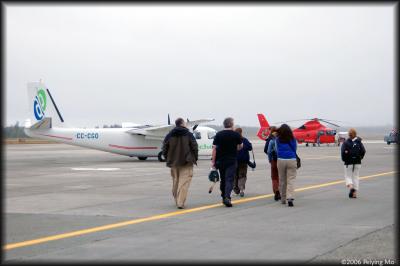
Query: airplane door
pixel 204 141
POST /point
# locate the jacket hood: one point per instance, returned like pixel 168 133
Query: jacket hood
pixel 179 131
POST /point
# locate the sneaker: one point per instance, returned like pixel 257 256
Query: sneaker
pixel 241 193
pixel 227 202
pixel 290 203
pixel 351 192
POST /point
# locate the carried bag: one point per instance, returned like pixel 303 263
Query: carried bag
pixel 213 177
pixel 253 163
pixel 298 160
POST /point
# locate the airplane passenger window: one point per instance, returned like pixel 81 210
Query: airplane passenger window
pixel 197 135
pixel 211 134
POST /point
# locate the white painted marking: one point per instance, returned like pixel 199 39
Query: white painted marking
pixel 95 169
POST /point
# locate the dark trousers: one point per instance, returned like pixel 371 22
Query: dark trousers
pixel 227 171
pixel 274 176
pixel 239 182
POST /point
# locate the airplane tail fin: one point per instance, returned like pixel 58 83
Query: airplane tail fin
pixel 42 107
pixel 263 132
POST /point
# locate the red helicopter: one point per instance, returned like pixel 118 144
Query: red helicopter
pixel 310 132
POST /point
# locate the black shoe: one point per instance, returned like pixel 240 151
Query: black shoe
pixel 277 196
pixel 227 202
pixel 180 207
pixel 242 194
pixel 351 192
pixel 290 203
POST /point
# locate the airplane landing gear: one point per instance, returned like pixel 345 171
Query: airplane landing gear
pixel 160 156
pixel 142 158
pixel 306 144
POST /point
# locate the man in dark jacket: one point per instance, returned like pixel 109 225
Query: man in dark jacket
pixel 352 151
pixel 180 150
pixel 243 157
pixel 225 146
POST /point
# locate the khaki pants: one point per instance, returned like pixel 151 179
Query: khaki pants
pixel 181 177
pixel 287 170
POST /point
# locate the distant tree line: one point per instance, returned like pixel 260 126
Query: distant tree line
pixel 14 131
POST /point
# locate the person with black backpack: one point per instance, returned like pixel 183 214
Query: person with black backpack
pixel 269 149
pixel 353 151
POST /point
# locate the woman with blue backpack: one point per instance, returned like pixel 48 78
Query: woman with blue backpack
pixel 270 150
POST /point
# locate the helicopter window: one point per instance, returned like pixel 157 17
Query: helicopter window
pixel 331 132
pixel 321 132
pixel 302 127
pixel 211 134
pixel 197 135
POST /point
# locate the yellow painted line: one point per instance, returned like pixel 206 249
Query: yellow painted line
pixel 160 216
pixel 321 157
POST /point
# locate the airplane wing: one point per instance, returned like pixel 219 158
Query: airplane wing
pixel 152 132
pixel 191 124
pixel 159 132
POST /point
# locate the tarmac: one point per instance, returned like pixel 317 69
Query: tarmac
pixel 64 203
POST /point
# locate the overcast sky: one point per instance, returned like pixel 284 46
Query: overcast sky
pixel 118 63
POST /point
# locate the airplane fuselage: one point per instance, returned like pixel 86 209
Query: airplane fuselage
pixel 115 140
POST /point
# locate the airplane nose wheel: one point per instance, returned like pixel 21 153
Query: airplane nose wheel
pixel 142 158
pixel 161 158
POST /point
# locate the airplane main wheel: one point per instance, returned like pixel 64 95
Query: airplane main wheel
pixel 160 156
pixel 142 158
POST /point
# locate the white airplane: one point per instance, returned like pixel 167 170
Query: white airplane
pixel 132 140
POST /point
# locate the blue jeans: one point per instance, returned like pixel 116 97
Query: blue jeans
pixel 227 171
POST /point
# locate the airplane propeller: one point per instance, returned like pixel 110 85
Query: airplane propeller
pixel 169 120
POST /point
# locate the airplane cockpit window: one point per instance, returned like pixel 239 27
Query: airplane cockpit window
pixel 197 135
pixel 211 134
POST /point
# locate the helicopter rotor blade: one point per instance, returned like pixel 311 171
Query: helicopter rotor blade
pixel 291 121
pixel 323 120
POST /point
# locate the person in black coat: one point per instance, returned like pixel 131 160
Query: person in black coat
pixel 243 157
pixel 352 151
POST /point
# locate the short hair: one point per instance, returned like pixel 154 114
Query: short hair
pixel 228 122
pixel 239 130
pixel 179 122
pixel 272 129
pixel 353 132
